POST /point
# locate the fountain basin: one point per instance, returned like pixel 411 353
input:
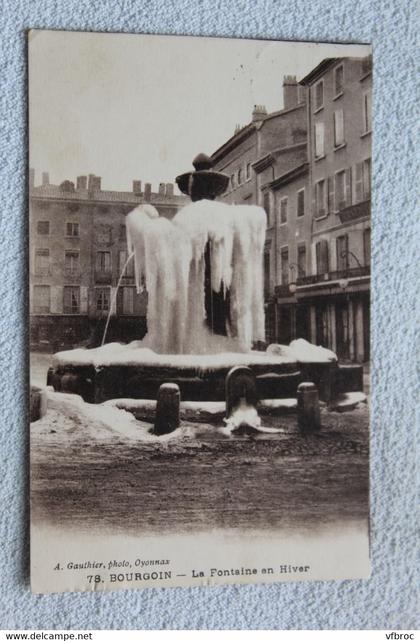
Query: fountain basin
pixel 129 371
pixel 100 375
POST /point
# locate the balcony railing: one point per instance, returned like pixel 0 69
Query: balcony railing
pixel 282 291
pixel 103 276
pixel 354 272
pixel 354 212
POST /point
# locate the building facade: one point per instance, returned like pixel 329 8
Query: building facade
pixel 309 166
pixel 336 291
pixel 77 255
pixel 260 157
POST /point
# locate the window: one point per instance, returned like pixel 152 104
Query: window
pixel 266 205
pixel 233 181
pixel 367 112
pixel 123 232
pixel 128 300
pixel 103 261
pixel 342 252
pixel 239 176
pixel 338 128
pixel 340 190
pixel 319 140
pixel 283 211
pixel 43 227
pixel 338 81
pixel 248 171
pixel 72 229
pixel 122 258
pixel 362 180
pixel 41 304
pixel 320 198
pixel 322 257
pixel 71 262
pixel 71 300
pixel 358 182
pixel 366 177
pixel 366 246
pixel 42 261
pixel 300 203
pixel 284 256
pixel 301 261
pixel 102 299
pixel 319 95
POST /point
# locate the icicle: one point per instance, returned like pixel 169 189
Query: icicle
pixel 170 257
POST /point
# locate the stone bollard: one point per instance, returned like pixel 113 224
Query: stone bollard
pixel 309 418
pixel 38 403
pixel 240 383
pixel 167 409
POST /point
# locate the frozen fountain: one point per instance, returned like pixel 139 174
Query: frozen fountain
pixel 203 272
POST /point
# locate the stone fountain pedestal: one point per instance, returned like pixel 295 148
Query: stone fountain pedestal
pixel 97 383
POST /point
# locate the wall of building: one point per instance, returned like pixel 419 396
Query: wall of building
pixel 236 163
pixel 97 239
pixel 337 290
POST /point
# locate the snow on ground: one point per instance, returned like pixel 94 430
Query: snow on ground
pixel 98 422
pixel 208 408
pixel 349 401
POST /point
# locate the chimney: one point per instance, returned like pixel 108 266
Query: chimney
pixel 290 92
pixel 147 192
pixel 94 183
pixel 31 178
pixel 137 187
pixel 169 189
pixel 81 182
pixel 237 129
pixel 45 178
pixel 161 189
pixel 259 112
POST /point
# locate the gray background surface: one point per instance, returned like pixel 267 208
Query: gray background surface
pixel 387 600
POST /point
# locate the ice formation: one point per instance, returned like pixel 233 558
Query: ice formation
pixel 303 352
pixel 170 259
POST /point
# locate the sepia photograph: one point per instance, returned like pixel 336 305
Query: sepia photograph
pixel 199 258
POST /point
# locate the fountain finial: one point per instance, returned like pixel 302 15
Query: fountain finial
pixel 203 182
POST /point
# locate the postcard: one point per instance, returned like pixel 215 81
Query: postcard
pixel 199 310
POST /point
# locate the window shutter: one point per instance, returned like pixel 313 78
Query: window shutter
pixel 119 301
pixel 325 257
pixel 331 194
pixel 319 139
pixel 322 265
pixel 314 209
pixel 366 178
pixel 67 302
pixel 342 252
pixel 366 246
pixel 348 186
pixel 358 182
pixel 338 127
pixel 84 300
